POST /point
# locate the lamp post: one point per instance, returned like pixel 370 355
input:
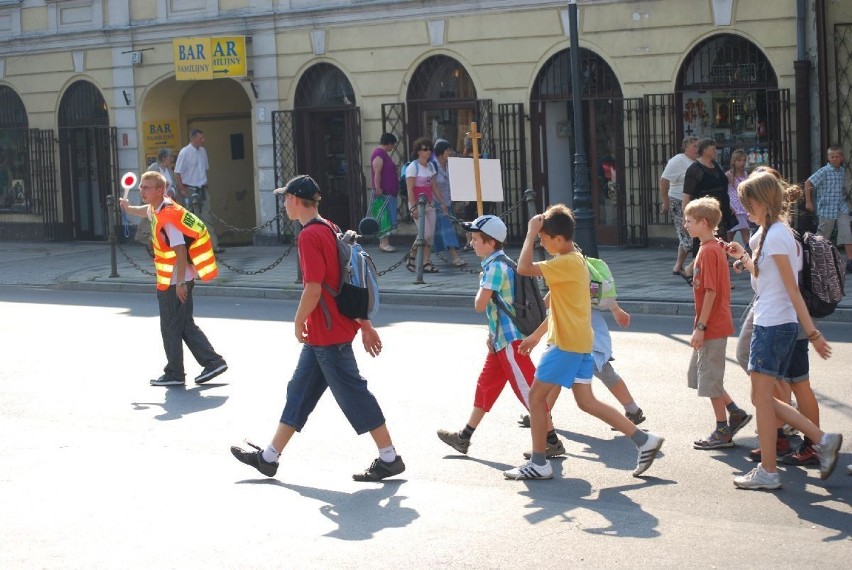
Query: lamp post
pixel 584 234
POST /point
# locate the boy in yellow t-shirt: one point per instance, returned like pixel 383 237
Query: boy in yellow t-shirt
pixel 567 361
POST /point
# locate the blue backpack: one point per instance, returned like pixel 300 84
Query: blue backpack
pixel 357 296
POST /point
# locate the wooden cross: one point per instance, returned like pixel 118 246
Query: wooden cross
pixel 474 138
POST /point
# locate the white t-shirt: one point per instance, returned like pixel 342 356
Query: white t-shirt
pixel 773 305
pixel 675 173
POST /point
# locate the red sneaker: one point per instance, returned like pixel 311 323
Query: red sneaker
pixel 805 457
pixel 782 449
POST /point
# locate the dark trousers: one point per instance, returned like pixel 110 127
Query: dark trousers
pixel 177 327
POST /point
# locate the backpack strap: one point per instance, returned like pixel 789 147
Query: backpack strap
pixel 495 296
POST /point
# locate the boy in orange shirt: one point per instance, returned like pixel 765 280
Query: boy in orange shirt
pixel 713 323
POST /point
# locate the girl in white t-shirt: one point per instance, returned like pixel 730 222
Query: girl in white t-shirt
pixel 778 309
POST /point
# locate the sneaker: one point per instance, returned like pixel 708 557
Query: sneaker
pixel 827 454
pixel 454 440
pixel 379 470
pixel 757 478
pixel 166 381
pixel 524 422
pixel 805 457
pixel 738 421
pixel 849 468
pixel 720 438
pixel 530 470
pixel 782 449
pixel 255 459
pixel 647 453
pixel 637 418
pixel 552 450
pixel 210 372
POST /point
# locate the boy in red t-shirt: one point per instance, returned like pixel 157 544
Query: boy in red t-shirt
pixel 713 322
pixel 327 359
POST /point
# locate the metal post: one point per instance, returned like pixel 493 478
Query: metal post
pixel 584 234
pixel 113 239
pixel 529 197
pixel 420 242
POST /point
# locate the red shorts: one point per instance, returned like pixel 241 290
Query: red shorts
pixel 501 367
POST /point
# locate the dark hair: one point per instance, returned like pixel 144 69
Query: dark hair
pixel 195 132
pixel 421 142
pixel 387 138
pixel 163 154
pixel 559 221
pixel 704 143
pixel 441 147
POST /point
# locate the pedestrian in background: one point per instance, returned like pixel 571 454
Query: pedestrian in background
pixel 445 230
pixel 326 360
pixel 673 200
pixel 829 185
pixel 182 251
pixel 420 179
pixel 736 174
pixel 191 177
pixel 386 183
pixel 163 165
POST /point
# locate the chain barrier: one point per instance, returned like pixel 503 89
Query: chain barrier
pixel 133 263
pixel 196 209
pixel 257 271
pixel 394 266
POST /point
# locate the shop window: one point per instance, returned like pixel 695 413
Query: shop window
pixel 15 188
pixel 324 85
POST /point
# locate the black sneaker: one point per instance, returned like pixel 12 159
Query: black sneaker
pixel 166 381
pixel 255 459
pixel 379 470
pixel 211 372
pixel 637 418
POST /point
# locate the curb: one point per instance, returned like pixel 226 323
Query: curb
pixel 634 306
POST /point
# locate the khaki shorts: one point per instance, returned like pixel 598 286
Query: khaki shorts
pixel 707 368
pixel 844 231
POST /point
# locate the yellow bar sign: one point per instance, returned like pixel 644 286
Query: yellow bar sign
pixel 209 58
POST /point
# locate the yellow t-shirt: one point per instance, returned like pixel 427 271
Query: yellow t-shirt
pixel 569 325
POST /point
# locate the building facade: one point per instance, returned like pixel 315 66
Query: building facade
pixel 92 88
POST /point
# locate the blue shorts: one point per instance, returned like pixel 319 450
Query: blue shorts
pixel 772 349
pixel 558 366
pixel 798 368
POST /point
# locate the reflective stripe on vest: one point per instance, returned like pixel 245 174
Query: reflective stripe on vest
pixel 200 248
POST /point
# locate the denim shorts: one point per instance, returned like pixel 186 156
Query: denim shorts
pixel 333 367
pixel 798 368
pixel 772 349
pixel 558 366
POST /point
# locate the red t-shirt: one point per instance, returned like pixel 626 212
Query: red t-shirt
pixel 711 273
pixel 319 263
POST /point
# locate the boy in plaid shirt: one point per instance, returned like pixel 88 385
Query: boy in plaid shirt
pixel 829 183
pixel 505 362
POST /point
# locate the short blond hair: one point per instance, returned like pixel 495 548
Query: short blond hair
pixel 158 179
pixel 705 208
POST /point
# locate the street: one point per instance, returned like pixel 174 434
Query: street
pixel 101 470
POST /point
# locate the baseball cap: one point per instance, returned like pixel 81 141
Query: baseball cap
pixel 489 225
pixel 302 186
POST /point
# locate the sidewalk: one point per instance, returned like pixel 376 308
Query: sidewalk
pixel 643 276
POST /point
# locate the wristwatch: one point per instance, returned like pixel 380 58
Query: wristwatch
pixel 701 327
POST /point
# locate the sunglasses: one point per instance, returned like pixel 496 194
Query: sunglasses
pixel 425 148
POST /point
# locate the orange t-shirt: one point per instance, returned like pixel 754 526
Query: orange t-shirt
pixel 711 274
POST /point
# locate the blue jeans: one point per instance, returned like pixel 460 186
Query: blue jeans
pixel 333 367
pixel 772 348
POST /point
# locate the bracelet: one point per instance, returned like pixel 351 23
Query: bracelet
pixel 744 255
pixel 814 335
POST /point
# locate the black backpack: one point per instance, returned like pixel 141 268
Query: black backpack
pixel 823 276
pixel 528 306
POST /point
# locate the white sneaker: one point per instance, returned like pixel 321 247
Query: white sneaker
pixel 647 453
pixel 757 478
pixel 827 454
pixel 530 470
pixel 849 469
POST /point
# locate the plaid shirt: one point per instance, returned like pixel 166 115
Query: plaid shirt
pixel 498 276
pixel 829 184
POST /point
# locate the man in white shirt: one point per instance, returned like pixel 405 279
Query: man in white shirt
pixel 191 178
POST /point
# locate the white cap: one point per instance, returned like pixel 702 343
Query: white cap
pixel 489 225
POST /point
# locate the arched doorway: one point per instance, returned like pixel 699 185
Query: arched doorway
pixel 87 152
pixel 328 136
pixel 442 103
pixel 15 186
pixel 552 114
pixel 727 90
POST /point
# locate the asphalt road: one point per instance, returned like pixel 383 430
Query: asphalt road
pixel 101 470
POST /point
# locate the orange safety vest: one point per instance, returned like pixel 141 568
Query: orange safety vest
pixel 199 247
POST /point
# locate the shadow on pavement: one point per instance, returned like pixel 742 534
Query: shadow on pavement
pixel 180 402
pixel 626 518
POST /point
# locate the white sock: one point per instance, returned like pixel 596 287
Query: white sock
pixel 823 440
pixel 270 455
pixel 387 454
pixel 631 408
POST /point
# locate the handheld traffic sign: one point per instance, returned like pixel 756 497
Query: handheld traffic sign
pixel 128 181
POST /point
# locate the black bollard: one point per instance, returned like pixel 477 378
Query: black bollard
pixel 420 242
pixel 113 239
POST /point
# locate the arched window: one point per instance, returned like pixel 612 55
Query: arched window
pixel 12 112
pixel 726 61
pixel 440 77
pixel 554 78
pixel 324 85
pixel 83 106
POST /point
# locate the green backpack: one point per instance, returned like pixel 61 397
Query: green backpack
pixel 601 283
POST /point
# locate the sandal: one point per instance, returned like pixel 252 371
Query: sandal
pixel 410 265
pixel 687 278
pixel 387 248
pixel 430 268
